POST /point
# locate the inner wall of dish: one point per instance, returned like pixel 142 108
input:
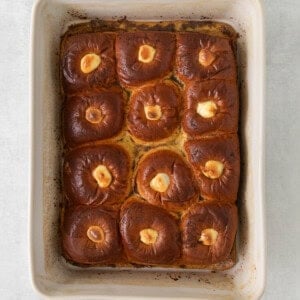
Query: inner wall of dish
pixel 56 268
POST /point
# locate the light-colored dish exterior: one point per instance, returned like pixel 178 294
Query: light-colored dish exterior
pixel 51 276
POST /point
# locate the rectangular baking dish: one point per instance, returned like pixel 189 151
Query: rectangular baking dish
pixel 51 275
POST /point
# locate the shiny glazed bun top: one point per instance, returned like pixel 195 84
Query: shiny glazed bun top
pixel 88 60
pixel 144 56
pixel 201 57
pixel 163 178
pixel 151 160
pixel 208 232
pixel 216 163
pixel 95 175
pixel 211 106
pixel 150 234
pixel 90 235
pixel 93 116
pixel 154 112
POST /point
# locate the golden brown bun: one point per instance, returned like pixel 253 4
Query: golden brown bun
pixel 74 48
pixel 161 96
pixel 181 191
pixel 133 72
pixel 81 124
pixel 218 52
pixel 80 185
pixel 78 248
pixel 224 149
pixel 221 217
pixel 224 97
pixel 137 215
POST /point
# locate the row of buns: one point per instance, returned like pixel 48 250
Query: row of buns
pixel 93 60
pixel 154 112
pixel 102 174
pixel 149 235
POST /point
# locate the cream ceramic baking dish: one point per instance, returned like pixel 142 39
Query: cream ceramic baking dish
pixel 51 275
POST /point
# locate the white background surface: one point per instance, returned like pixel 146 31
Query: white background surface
pixel 282 149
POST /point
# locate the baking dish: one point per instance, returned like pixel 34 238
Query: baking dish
pixel 51 275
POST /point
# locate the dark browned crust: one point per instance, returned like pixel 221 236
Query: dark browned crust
pixel 168 98
pixel 224 94
pixel 130 70
pixel 137 215
pixel 78 248
pixel 187 65
pixel 221 217
pixel 78 130
pixel 74 48
pixel 220 148
pixel 182 190
pixel 79 185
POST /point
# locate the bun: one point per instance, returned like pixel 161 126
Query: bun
pixel 151 158
pixel 211 107
pixel 201 57
pixel 154 112
pixel 150 235
pixel 90 236
pixel 93 116
pixel 95 175
pixel 77 52
pixel 164 179
pixel 136 65
pixel 216 163
pixel 208 233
